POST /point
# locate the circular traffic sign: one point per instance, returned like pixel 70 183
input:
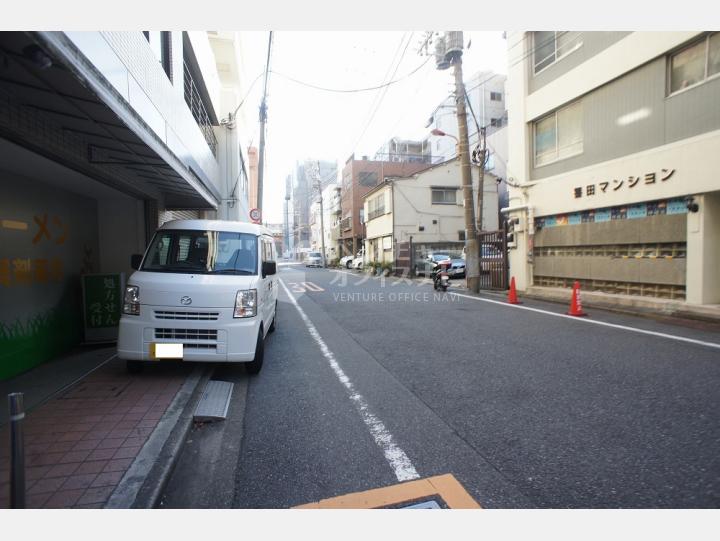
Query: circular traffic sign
pixel 255 215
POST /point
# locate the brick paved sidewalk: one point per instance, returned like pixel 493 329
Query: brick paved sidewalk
pixel 79 445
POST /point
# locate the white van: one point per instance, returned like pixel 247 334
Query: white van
pixel 206 290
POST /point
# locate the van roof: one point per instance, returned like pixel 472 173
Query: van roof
pixel 217 225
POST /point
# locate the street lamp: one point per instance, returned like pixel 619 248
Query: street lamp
pixel 441 133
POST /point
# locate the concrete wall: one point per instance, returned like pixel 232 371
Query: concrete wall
pixel 121 230
pixel 703 246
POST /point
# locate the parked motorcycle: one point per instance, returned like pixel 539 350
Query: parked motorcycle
pixel 440 275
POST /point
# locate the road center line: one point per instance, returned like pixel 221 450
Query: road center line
pixel 396 457
pixel 595 322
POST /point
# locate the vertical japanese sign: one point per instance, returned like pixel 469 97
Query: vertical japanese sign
pixel 102 298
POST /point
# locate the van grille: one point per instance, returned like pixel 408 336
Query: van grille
pixel 200 346
pixel 188 316
pixel 186 334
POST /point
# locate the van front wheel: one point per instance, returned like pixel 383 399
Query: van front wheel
pixel 254 366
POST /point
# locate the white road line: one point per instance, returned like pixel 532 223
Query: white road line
pixel 595 322
pixel 396 457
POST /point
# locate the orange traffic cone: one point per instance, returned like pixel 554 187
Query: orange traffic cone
pixel 512 294
pixel 575 303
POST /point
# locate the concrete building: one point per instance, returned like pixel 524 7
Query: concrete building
pixel 426 207
pixel 405 150
pixel 102 136
pixel 487 102
pixel 614 140
pixel 331 222
pixel 303 193
pixel 358 178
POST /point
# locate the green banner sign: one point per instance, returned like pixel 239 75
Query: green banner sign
pixel 101 300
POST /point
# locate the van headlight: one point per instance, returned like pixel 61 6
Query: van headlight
pixel 245 303
pixel 131 301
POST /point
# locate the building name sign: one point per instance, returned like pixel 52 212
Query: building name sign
pixel 630 182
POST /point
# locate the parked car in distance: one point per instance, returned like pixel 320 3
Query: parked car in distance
pixel 348 260
pixel 313 259
pixel 427 265
pixel 457 268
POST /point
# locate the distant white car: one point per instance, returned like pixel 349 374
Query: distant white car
pixel 347 261
pixel 313 259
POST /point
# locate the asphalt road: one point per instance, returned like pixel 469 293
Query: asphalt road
pixel 378 381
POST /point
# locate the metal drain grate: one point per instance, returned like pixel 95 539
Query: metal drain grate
pixel 214 403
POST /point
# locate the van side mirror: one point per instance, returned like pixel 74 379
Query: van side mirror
pixel 269 268
pixel 135 261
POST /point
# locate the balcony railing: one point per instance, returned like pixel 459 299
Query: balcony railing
pixel 197 108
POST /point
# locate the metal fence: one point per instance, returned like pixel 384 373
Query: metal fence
pixel 493 260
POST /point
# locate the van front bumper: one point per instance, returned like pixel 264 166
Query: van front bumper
pixel 224 339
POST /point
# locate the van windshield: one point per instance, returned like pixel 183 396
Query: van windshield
pixel 202 252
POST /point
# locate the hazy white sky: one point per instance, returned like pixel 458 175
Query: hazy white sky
pixel 308 123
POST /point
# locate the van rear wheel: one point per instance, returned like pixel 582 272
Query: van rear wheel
pixel 254 366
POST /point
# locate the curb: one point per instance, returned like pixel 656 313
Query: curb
pixel 143 483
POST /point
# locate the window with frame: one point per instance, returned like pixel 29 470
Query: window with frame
pixel 497 122
pixel 376 206
pixel 444 196
pixel 695 63
pixel 559 135
pixel 495 96
pixel 550 46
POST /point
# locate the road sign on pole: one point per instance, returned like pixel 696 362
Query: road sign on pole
pixel 255 215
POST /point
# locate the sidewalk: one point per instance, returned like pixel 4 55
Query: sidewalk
pixel 79 444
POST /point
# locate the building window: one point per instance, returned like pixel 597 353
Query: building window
pixel 696 63
pixel 166 53
pixel 367 178
pixel 549 47
pixel 376 206
pixel 497 122
pixel 461 235
pixel 496 96
pixel 444 196
pixel 559 135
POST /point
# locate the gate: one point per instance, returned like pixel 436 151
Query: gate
pixel 403 258
pixel 493 260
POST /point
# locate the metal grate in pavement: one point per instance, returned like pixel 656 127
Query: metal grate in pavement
pixel 214 403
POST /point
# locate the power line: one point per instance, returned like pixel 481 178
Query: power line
pixel 352 90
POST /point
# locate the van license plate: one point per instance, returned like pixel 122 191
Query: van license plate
pixel 166 351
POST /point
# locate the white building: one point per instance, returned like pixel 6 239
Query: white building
pixel 102 136
pixel 485 107
pixel 331 222
pixel 426 208
pixel 614 140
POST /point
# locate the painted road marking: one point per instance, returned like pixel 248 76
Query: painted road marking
pixel 302 287
pixel 14 224
pixel 445 486
pixel 595 322
pixel 396 457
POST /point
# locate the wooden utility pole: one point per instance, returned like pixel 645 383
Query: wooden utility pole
pixel 481 186
pixel 472 266
pixel 263 121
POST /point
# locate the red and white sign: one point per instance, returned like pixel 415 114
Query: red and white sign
pixel 255 215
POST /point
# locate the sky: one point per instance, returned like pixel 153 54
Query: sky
pixel 304 122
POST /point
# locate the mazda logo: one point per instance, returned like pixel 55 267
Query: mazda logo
pixel 185 301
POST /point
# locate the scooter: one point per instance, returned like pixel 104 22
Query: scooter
pixel 441 279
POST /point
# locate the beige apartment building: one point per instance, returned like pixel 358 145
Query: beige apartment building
pixel 426 208
pixel 613 165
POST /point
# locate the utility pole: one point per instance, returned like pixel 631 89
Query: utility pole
pixel 481 186
pixel 454 44
pixel 263 121
pixel 314 171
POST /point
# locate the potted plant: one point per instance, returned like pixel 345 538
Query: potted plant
pixel 386 268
